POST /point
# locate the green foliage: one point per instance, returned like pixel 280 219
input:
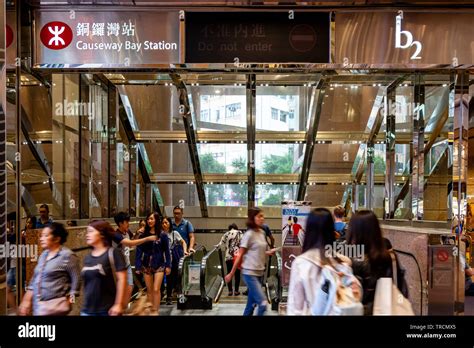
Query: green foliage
pixel 275 164
pixel 272 199
pixel 210 165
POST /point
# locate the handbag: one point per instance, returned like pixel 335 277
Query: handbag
pixel 388 299
pixel 177 252
pixel 54 306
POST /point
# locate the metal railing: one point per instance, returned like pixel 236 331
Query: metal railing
pixel 419 273
pixel 212 275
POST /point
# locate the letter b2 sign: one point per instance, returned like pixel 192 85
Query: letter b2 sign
pixel 399 33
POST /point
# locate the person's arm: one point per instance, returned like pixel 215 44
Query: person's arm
pixel 135 242
pixel 296 292
pixel 191 242
pixel 74 270
pixel 272 240
pixel 185 247
pixel 166 246
pixel 228 277
pixel 26 304
pixel 117 308
pixel 469 272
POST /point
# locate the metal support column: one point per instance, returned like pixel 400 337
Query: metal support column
pixel 369 176
pixel 3 171
pixel 251 95
pixel 186 110
pixel 418 145
pixel 315 108
pixel 390 136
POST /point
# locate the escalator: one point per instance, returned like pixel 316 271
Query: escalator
pixel 273 280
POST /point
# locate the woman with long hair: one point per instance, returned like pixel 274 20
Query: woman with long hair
pixel 364 230
pixel 56 279
pixel 154 259
pixel 252 253
pixel 104 273
pixel 306 294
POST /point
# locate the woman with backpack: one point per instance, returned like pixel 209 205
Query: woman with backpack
pixel 364 230
pixel 104 273
pixel 252 254
pixel 153 259
pixel 321 281
pixel 178 249
pixel 231 241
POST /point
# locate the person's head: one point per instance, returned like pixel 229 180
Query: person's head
pixel 99 233
pixel 44 211
pixel 141 223
pixel 319 230
pixel 31 222
pixel 122 220
pixel 255 219
pixel 152 223
pixel 364 230
pixel 233 226
pixel 178 213
pixel 166 224
pixel 339 212
pixel 295 219
pixel 53 236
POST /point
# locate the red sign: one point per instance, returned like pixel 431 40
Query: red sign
pixel 56 35
pixel 8 36
pixel 442 255
pixel 302 38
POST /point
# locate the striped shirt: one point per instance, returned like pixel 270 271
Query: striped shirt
pixel 59 277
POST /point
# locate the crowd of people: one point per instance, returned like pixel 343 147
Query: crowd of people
pixel 106 272
pixel 160 242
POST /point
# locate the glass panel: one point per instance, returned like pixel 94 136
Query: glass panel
pixel 168 158
pixel 274 194
pixel 326 195
pixel 226 195
pixel 173 194
pixel 219 107
pixel 223 158
pixel 278 158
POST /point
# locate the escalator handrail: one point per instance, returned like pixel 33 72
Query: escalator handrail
pixel 182 261
pixel 279 273
pixel 419 273
pixel 202 280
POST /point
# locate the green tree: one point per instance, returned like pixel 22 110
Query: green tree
pixel 239 165
pixel 379 165
pixel 272 199
pixel 240 191
pixel 275 164
pixel 214 193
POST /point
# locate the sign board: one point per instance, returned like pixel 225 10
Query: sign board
pixel 10 38
pixel 403 37
pixel 261 37
pixel 294 216
pixel 106 39
pixel 194 273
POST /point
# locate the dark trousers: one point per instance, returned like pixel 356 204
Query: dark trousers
pixel 229 264
pixel 171 281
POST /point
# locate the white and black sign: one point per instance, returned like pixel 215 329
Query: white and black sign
pixel 272 37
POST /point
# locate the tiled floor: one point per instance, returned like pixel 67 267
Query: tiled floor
pixel 217 309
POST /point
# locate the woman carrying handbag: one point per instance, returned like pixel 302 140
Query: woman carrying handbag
pixel 56 279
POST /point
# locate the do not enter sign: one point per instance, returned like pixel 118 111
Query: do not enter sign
pixel 442 255
pixel 302 38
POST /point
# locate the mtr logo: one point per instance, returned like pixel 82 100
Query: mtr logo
pixel 56 35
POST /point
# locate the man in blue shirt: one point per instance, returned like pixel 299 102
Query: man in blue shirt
pixel 184 227
pixel 44 220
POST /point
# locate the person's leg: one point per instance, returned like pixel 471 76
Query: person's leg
pixel 128 289
pixel 11 282
pixel 149 287
pixel 229 264
pixel 252 284
pixel 237 281
pixel 260 298
pixel 470 290
pixel 157 290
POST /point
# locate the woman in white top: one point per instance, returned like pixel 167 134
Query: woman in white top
pixel 252 253
pixel 231 241
pixel 308 293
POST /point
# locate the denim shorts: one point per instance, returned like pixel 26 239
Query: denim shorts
pixel 99 314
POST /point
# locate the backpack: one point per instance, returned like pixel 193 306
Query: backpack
pixel 335 297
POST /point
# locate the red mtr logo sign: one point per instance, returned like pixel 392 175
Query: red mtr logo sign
pixel 9 36
pixel 56 35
